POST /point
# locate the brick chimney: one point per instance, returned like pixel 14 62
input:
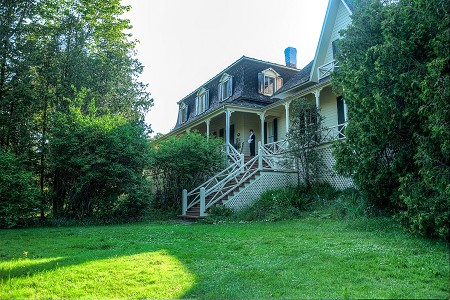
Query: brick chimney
pixel 290 55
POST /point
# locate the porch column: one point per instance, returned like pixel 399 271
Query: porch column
pixel 317 95
pixel 286 109
pixel 262 117
pixel 227 128
pixel 208 121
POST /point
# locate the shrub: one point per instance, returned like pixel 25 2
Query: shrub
pixel 19 196
pixel 183 162
pixel 98 162
pixel 275 205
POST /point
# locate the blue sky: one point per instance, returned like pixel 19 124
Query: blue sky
pixel 184 43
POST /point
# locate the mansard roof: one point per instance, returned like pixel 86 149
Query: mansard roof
pixel 244 72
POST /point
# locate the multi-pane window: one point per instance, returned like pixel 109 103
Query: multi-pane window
pixel 269 81
pixel 201 101
pixel 225 87
pixel 269 85
pixel 183 113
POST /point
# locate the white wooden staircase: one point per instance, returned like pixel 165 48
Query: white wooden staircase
pixel 228 183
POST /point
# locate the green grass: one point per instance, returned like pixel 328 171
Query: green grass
pixel 307 258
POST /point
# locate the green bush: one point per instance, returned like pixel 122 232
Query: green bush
pixel 219 213
pixel 275 205
pixel 426 211
pixel 99 163
pixel 19 196
pixel 183 162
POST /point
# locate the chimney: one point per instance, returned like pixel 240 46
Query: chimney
pixel 290 55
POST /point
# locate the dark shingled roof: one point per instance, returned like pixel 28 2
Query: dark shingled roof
pixel 245 86
pixel 299 78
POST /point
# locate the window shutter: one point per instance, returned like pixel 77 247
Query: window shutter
pixel 279 83
pixel 206 104
pixel 186 113
pixel 180 113
pixel 230 86
pixel 196 106
pixel 220 91
pixel 335 47
pixel 261 83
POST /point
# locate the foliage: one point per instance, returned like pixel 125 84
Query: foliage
pixel 394 74
pixel 183 162
pixel 19 196
pixel 49 52
pixel 304 135
pixel 296 259
pixel 98 162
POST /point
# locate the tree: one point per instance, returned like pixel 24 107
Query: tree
pixel 394 67
pixel 183 162
pixel 49 52
pixel 304 136
pixel 98 164
pixel 19 196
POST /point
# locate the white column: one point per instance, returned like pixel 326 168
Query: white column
pixel 259 156
pixel 262 117
pixel 317 95
pixel 208 121
pixel 184 201
pixel 227 130
pixel 202 202
pixel 286 110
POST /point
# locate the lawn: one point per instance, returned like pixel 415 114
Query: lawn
pixel 308 258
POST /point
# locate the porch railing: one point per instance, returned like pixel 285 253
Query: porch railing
pixel 332 133
pixel 272 156
pixel 220 185
pixel 326 69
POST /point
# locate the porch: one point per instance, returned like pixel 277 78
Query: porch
pixel 246 178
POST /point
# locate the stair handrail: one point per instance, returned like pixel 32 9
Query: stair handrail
pixel 274 155
pixel 245 171
pixel 235 157
pixel 233 153
pixel 213 180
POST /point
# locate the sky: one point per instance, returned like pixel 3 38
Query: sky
pixel 184 43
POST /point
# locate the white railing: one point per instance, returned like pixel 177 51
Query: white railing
pixel 231 182
pixel 271 156
pixel 234 155
pixel 326 69
pixel 220 185
pixel 194 195
pixel 332 133
pixel 276 148
pixel 274 158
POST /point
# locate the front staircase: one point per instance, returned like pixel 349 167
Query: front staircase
pixel 230 189
pixel 247 177
pixel 224 186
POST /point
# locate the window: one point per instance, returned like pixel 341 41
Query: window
pixel 225 87
pixel 269 81
pixel 183 113
pixel 201 101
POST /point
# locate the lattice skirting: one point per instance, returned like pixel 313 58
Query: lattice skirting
pixel 328 174
pixel 266 181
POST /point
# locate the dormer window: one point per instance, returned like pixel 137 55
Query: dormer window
pixel 225 87
pixel 201 101
pixel 183 113
pixel 269 81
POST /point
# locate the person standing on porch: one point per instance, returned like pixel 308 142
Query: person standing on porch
pixel 251 142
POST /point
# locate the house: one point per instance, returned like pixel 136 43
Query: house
pixel 254 94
